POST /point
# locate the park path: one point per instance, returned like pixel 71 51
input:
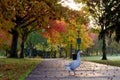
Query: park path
pixel 53 69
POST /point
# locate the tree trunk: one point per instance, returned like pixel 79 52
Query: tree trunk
pixel 22 48
pixel 71 54
pixel 104 57
pixel 13 52
pixel 24 37
pixel 30 52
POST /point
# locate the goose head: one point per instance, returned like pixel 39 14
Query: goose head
pixel 79 52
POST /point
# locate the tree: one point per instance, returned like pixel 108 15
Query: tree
pixel 78 20
pixel 108 19
pixel 111 18
pixel 19 14
pixel 97 9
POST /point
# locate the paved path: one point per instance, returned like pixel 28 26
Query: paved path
pixel 53 69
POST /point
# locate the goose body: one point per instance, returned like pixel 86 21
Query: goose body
pixel 74 64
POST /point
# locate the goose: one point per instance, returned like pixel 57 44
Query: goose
pixel 74 64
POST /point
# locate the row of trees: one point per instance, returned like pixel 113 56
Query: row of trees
pixel 53 21
pixel 20 17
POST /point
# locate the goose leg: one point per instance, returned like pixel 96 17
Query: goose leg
pixel 69 72
pixel 74 73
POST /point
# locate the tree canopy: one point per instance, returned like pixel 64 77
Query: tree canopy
pixel 108 15
pixel 20 17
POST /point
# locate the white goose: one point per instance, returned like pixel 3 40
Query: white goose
pixel 74 64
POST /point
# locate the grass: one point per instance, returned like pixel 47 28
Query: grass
pixel 112 60
pixel 16 69
pixel 108 62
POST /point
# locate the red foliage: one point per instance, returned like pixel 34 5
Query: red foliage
pixel 53 29
pixel 1 35
pixel 44 34
pixel 93 36
pixel 59 26
pixel 4 37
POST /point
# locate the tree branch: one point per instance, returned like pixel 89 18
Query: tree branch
pixel 27 24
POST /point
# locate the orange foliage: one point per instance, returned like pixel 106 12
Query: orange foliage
pixel 53 29
pixel 44 34
pixel 4 36
pixel 59 26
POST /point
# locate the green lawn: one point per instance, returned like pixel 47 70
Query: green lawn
pixel 112 60
pixel 16 69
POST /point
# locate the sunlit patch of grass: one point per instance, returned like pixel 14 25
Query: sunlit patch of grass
pixel 112 60
pixel 16 69
pixel 108 62
pixel 100 57
pixel 87 58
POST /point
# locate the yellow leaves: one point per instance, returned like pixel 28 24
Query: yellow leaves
pixel 53 37
pixel 73 21
pixel 72 35
pixel 86 41
pixel 7 7
pixel 6 25
pixel 48 41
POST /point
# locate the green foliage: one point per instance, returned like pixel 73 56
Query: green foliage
pixel 107 14
pixel 34 39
